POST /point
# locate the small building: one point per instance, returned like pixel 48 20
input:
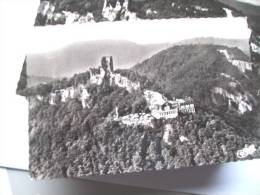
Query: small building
pixel 161 107
pixel 167 111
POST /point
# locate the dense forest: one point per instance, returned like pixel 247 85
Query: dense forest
pixel 67 140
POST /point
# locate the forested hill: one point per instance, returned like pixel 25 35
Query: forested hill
pixel 32 86
pixel 70 140
pixel 196 70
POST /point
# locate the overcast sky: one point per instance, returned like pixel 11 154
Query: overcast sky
pixel 79 57
pixel 62 50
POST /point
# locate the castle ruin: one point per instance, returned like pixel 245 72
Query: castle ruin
pixel 115 79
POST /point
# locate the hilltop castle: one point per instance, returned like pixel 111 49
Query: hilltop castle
pixel 106 68
pixel 97 76
pixel 115 79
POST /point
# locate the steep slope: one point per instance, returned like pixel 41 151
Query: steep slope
pixel 213 76
pixel 241 44
pixel 82 131
pixel 68 140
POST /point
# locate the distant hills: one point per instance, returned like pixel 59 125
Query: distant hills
pixel 239 43
pixel 79 57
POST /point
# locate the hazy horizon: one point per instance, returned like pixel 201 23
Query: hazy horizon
pixel 81 56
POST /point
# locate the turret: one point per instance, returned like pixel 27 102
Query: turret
pixel 107 63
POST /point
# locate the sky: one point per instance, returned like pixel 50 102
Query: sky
pixel 62 50
pixel 49 38
pixel 81 56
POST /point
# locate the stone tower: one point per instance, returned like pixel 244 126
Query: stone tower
pixel 107 63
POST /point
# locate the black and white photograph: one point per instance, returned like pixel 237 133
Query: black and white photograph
pixel 53 12
pixel 129 97
pixel 141 97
